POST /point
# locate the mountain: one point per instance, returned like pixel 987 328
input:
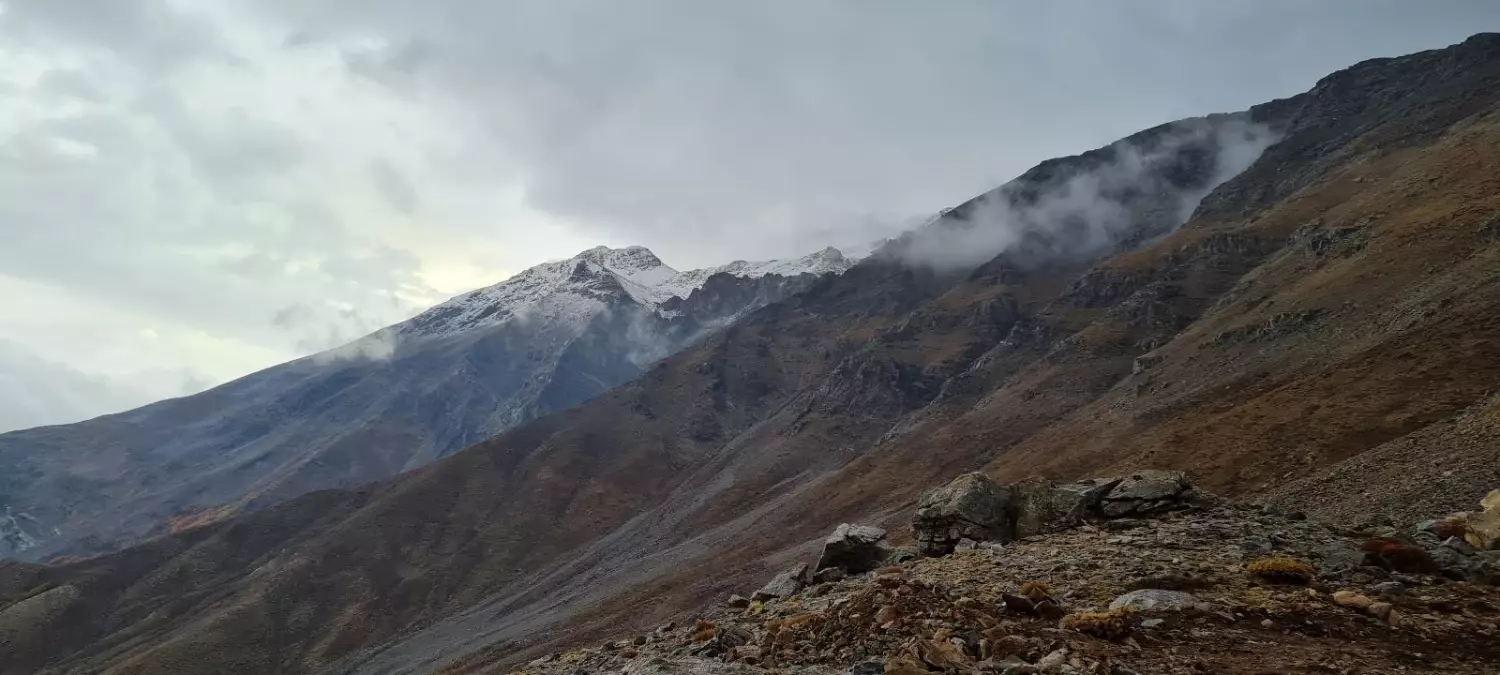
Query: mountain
pixel 44 392
pixel 544 340
pixel 1298 301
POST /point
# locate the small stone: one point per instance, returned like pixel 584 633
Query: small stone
pixel 1152 623
pixel 1266 623
pixel 901 665
pixel 829 575
pixel 966 544
pixel 1352 600
pixel 1379 610
pixel 1012 666
pixel 870 668
pixel 1052 662
pixel 1388 589
pixel 748 654
pixel 1016 603
pixel 737 601
pixel 639 640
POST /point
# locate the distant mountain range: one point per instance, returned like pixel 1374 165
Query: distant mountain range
pixel 548 338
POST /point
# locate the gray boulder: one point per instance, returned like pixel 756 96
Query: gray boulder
pixel 853 548
pixel 971 506
pixel 784 584
pixel 1043 506
pixel 1148 492
pixel 1154 599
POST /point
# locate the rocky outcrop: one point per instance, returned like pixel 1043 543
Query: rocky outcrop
pixel 854 549
pixel 1047 507
pixel 1151 594
pixel 784 584
pixel 1148 492
pixel 975 507
pixel 972 506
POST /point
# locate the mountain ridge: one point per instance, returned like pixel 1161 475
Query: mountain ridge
pixel 543 340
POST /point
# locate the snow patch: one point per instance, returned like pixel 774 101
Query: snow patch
pixel 569 293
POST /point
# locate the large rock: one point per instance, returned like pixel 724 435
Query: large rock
pixel 1483 529
pixel 784 584
pixel 1153 599
pixel 1148 492
pixel 853 548
pixel 971 506
pixel 1043 506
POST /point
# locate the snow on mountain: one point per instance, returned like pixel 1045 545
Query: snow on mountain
pixel 572 291
pixel 545 340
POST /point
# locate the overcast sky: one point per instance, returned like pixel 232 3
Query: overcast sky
pixel 194 189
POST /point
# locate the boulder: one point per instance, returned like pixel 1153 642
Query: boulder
pixel 1154 599
pixel 1043 506
pixel 829 575
pixel 784 584
pixel 971 506
pixel 1483 529
pixel 1491 501
pixel 853 548
pixel 1148 492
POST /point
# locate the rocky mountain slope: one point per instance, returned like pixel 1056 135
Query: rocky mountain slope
pixel 1332 293
pixel 1184 585
pixel 550 337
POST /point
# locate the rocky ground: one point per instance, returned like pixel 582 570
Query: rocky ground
pixel 1179 584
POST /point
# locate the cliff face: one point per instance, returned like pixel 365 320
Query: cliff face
pixel 1335 297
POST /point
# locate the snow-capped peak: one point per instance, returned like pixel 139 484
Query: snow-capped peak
pixel 576 289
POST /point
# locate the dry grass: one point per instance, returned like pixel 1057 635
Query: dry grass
pixel 1111 625
pixel 1282 569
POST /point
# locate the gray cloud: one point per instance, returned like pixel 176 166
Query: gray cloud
pixel 175 174
pixel 712 130
pixel 394 185
pixel 1090 211
pixel 36 391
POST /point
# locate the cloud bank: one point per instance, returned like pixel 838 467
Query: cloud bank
pixel 174 174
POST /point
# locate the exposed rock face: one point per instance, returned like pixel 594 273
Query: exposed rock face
pixel 972 506
pixel 1046 507
pixel 853 548
pixel 975 507
pixel 1148 492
